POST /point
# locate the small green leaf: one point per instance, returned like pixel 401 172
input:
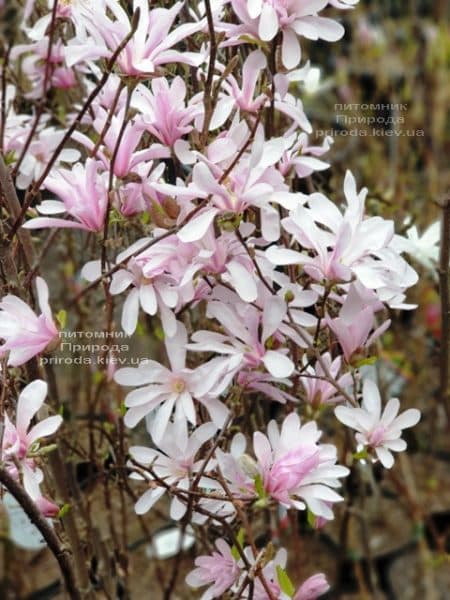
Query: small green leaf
pixel 240 538
pixel 61 317
pixel 310 517
pixel 259 487
pixel 361 455
pixel 63 511
pixel 10 157
pixel 159 333
pixel 97 377
pixel 286 584
pixel 371 360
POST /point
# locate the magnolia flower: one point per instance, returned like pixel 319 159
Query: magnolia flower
pixel 33 66
pixel 291 466
pixel 150 46
pixel 166 390
pixel 220 570
pixel 163 109
pixel 247 336
pixel 263 19
pixel 423 248
pixel 254 181
pixel 84 195
pixel 19 439
pixel 295 469
pixel 127 158
pixel 25 333
pixel 39 153
pixel 378 432
pixel 224 256
pixel 153 288
pixel 354 323
pixel 311 589
pixel 302 157
pixel 318 389
pixel 174 463
pixel 346 246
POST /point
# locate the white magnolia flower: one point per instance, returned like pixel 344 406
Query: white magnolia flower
pixel 174 463
pixel 166 390
pixel 378 432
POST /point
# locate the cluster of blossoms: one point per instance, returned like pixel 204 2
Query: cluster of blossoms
pixel 285 290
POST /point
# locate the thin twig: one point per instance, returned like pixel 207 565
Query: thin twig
pixel 61 555
pixel 444 288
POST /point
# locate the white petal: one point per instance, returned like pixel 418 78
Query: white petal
pixel 268 23
pixel 278 364
pixel 197 227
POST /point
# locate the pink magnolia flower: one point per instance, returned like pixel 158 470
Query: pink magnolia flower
pixel 253 182
pixel 232 96
pixel 25 333
pixel 154 277
pixel 312 588
pixel 263 19
pixel 34 61
pixel 20 440
pixel 378 432
pixel 220 570
pixel 318 390
pixel 165 390
pixel 84 196
pixel 246 337
pixel 354 324
pixel 127 157
pixel 266 384
pixel 302 157
pixel 294 469
pixel 149 48
pixel 174 462
pixel 346 245
pixel 39 153
pixel 163 109
pixel 224 256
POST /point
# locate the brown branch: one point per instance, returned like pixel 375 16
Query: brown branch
pixel 444 289
pixel 207 94
pixel 61 554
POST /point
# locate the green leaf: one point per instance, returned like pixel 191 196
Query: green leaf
pixel 286 584
pixel 159 333
pixel 240 538
pixel 61 317
pixel 97 377
pixel 371 360
pixel 63 511
pixel 361 455
pixel 259 487
pixel 10 158
pixel 311 519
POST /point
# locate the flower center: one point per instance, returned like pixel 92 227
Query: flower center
pixel 178 386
